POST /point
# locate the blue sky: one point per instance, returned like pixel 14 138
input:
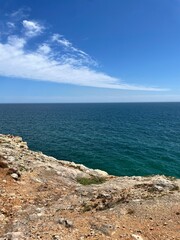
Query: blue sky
pixel 89 51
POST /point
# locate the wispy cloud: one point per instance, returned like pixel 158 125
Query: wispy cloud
pixel 32 28
pixel 61 40
pixel 54 60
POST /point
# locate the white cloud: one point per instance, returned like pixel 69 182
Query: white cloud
pixel 32 28
pixel 61 40
pixel 19 14
pixel 15 62
pixel 75 52
pixel 15 41
pixel 44 48
pixel 11 25
pixel 48 62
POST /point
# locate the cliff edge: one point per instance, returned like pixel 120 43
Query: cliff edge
pixel 45 198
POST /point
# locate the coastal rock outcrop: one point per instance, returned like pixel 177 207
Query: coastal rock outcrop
pixel 45 198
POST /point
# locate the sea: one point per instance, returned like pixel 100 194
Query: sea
pixel 124 139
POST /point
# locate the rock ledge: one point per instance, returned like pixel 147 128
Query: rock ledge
pixel 41 198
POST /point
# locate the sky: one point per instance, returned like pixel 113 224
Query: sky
pixel 89 51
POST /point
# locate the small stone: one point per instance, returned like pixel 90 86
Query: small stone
pixel 13 170
pixel 14 235
pixel 2 216
pixel 136 237
pixel 15 176
pixel 158 188
pixel 55 237
pixel 68 224
pixel 65 222
pixel 3 164
pixel 11 158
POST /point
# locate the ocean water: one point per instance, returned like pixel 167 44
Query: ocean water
pixel 120 138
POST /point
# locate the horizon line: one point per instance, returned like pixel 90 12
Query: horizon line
pixel 1 103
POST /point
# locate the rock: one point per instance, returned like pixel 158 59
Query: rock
pixel 17 139
pixel 3 164
pixel 101 173
pixel 158 188
pixel 68 224
pixel 104 195
pixel 15 176
pixel 2 216
pixel 33 217
pixel 13 171
pixel 136 237
pixel 162 183
pixel 107 229
pixel 55 237
pixel 49 203
pixel 11 158
pixel 65 222
pixel 14 236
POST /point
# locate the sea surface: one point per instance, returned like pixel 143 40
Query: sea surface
pixel 120 138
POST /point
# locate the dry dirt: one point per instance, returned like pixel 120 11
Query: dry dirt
pixel 40 198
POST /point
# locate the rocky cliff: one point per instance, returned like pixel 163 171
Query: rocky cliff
pixel 45 198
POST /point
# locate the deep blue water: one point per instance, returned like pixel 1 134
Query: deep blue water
pixel 120 138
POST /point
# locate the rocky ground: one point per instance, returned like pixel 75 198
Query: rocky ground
pixel 42 198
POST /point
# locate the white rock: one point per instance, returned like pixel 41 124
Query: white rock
pixel 11 159
pixel 15 235
pixel 164 183
pixel 136 237
pixel 159 188
pixel 100 172
pixel 55 237
pixel 2 216
pixel 14 176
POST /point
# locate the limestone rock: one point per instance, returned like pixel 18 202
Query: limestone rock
pixel 14 235
pixel 101 173
pixel 15 176
pixel 50 203
pixel 136 237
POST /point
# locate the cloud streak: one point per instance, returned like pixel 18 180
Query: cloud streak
pixel 32 28
pixel 54 60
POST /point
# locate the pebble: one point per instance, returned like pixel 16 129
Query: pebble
pixel 15 176
pixel 11 158
pixel 56 237
pixel 2 216
pixel 14 235
pixel 136 237
pixel 65 222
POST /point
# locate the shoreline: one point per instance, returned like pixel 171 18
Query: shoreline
pixel 77 202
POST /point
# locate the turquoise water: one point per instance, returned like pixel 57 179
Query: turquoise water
pixel 122 139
